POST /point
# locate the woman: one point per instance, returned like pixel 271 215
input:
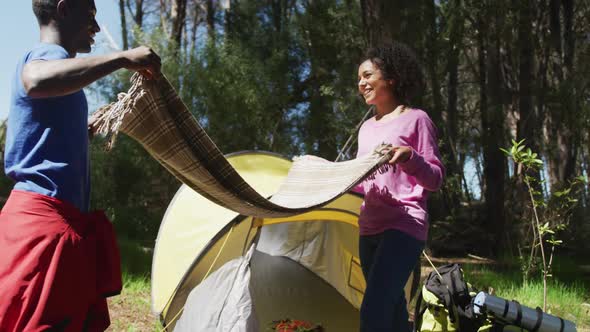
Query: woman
pixel 394 221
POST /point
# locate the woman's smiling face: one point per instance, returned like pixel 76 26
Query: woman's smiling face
pixel 373 86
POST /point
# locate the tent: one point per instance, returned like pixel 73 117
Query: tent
pixel 304 267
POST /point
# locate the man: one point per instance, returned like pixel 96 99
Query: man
pixel 58 262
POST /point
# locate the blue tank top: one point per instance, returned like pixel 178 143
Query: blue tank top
pixel 47 138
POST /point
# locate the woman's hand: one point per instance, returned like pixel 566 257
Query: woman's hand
pixel 400 154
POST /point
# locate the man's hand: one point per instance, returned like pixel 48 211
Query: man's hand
pixel 400 154
pixel 143 60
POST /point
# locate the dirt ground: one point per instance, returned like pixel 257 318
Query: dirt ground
pixel 130 311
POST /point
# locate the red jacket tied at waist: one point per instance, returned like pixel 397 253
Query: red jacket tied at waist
pixel 57 265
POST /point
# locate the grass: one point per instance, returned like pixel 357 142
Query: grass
pixel 568 290
pixel 565 298
pixel 131 311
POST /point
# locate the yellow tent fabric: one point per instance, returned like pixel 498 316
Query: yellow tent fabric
pixel 197 236
pixel 192 221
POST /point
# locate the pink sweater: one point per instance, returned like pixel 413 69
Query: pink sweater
pixel 395 196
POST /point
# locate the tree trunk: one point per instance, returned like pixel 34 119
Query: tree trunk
pixel 195 25
pixel 492 123
pixel 123 24
pixel 571 99
pixel 455 46
pixel 454 167
pixel 555 28
pixel 210 19
pixel 2 139
pixel 228 26
pixel 568 36
pixel 164 17
pixel 177 16
pixel 432 52
pixel 386 21
pixel 138 17
pixel 563 138
pixel 483 101
pixel 450 198
pixel 379 20
pixel 543 84
pixel 527 119
pixel 277 14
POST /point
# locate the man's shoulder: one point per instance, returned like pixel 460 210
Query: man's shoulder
pixel 45 51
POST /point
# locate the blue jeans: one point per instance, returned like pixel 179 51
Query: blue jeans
pixel 387 259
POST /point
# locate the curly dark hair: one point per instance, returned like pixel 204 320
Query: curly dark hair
pixel 397 61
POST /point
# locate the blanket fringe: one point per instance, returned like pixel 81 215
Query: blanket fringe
pixel 109 118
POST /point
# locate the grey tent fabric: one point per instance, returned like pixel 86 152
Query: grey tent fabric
pixel 222 302
pixel 152 113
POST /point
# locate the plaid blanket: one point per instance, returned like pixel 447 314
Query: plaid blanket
pixel 152 113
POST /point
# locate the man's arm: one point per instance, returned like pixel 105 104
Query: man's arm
pixel 53 78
